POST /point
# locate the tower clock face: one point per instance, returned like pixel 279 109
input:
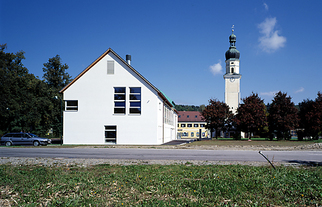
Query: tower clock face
pixel 232 79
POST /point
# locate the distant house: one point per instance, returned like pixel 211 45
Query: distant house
pixel 190 124
pixel 112 103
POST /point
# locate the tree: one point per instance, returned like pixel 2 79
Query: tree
pixel 217 115
pixel 310 115
pixel 55 74
pixel 251 115
pixel 24 104
pixel 283 116
pixel 56 77
pixel 318 114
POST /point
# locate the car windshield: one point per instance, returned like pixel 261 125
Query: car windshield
pixel 32 135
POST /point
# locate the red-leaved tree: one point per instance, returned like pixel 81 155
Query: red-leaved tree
pixel 251 115
pixel 217 116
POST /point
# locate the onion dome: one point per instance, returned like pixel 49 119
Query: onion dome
pixel 232 53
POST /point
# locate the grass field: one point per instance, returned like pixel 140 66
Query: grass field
pixel 160 185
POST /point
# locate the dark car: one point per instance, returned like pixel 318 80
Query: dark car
pixel 23 139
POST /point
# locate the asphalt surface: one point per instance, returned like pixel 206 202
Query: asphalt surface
pixel 302 157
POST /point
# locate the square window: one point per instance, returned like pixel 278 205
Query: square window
pixel 71 106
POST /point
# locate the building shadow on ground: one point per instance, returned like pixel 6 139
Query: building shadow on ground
pixel 306 163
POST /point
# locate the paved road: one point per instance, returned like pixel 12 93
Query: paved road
pixel 164 154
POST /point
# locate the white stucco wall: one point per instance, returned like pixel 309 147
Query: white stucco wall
pixel 95 94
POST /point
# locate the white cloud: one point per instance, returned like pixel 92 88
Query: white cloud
pixel 268 94
pixel 216 68
pixel 300 90
pixel 270 39
pixel 266 6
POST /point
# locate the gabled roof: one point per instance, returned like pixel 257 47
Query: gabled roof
pixel 162 95
pixel 190 116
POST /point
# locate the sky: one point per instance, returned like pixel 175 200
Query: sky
pixel 177 45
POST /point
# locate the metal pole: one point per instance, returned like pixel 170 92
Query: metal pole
pixel 266 159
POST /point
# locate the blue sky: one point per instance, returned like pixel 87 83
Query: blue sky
pixel 178 45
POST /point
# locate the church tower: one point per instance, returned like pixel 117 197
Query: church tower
pixel 232 76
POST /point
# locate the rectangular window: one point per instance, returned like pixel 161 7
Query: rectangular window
pixel 110 134
pixel 189 125
pixel 135 100
pixel 196 125
pixel 183 125
pixel 110 67
pixel 119 100
pixel 71 106
pixel 192 134
pixel 202 125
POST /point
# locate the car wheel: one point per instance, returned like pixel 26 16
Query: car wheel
pixel 36 143
pixel 8 144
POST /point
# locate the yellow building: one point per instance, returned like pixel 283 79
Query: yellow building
pixel 190 124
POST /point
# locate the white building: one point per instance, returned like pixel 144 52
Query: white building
pixel 232 76
pixel 111 103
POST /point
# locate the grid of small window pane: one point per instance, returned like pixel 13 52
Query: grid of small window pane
pixel 135 100
pixel 119 100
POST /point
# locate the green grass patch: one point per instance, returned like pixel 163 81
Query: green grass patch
pixel 160 185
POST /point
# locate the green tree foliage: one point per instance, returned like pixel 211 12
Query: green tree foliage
pixel 55 74
pixel 187 108
pixel 282 116
pixel 310 115
pixel 252 116
pixel 24 104
pixel 56 77
pixel 217 116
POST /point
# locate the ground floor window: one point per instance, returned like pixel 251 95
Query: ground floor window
pixel 110 134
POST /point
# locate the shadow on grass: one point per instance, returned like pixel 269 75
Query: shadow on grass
pixel 306 163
